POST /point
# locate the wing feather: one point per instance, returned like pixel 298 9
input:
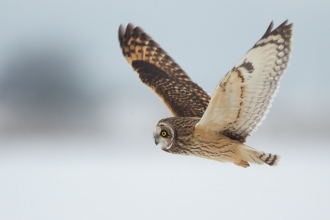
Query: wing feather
pixel 157 70
pixel 244 96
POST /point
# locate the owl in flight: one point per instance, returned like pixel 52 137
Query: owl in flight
pixel 212 127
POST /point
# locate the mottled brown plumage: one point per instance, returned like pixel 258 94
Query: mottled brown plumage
pixel 213 128
pixel 156 69
pixel 187 139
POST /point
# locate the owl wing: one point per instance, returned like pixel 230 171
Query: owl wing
pixel 242 98
pixel 157 70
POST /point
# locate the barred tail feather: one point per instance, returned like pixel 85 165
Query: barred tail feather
pixel 252 155
pixel 270 159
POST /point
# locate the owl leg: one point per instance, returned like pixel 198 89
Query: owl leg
pixel 242 163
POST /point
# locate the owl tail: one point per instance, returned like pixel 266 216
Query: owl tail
pixel 252 155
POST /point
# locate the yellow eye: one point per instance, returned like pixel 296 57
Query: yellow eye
pixel 163 133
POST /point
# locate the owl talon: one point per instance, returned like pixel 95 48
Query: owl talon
pixel 242 163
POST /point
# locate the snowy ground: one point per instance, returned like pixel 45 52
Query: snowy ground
pixel 90 178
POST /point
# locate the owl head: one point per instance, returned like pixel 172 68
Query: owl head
pixel 164 135
pixel 171 133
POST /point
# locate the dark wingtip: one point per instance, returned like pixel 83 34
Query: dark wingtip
pixel 129 30
pixel 285 28
pixel 121 32
pixel 138 31
pixel 289 26
pixel 269 29
pixel 125 33
pixel 284 25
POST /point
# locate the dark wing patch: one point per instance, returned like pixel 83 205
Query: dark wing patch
pixel 183 98
pixel 157 70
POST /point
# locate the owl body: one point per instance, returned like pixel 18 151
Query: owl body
pixel 185 137
pixel 214 127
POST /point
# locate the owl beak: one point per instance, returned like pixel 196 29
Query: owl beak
pixel 156 142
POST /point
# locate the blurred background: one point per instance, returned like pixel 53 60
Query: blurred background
pixel 76 123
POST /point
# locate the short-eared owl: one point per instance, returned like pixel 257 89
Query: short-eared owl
pixel 214 128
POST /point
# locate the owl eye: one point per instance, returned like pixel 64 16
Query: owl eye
pixel 163 133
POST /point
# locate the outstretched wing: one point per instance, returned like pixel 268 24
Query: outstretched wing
pixel 243 97
pixel 156 69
